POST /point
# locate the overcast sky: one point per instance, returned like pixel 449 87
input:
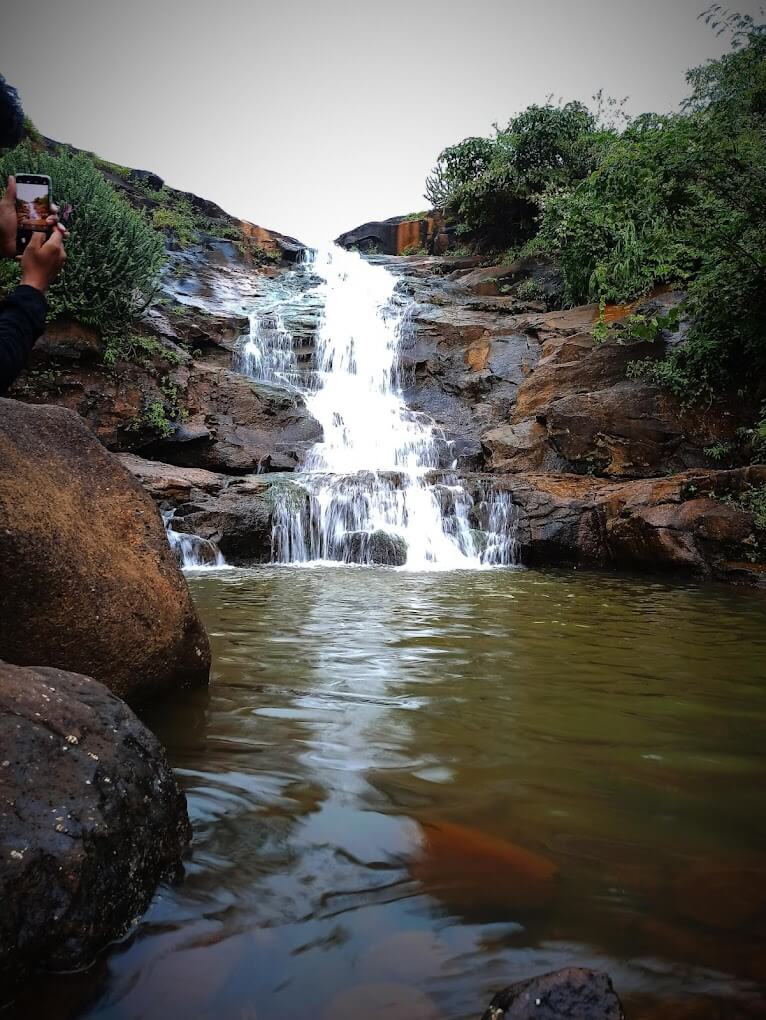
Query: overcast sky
pixel 312 116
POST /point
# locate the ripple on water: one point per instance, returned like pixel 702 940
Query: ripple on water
pixel 382 757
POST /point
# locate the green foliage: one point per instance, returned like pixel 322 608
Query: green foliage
pixel 675 200
pixel 601 329
pixel 113 256
pixel 112 168
pixel 719 451
pixel 139 349
pixel 10 274
pixel 414 249
pixel 31 132
pixel 161 415
pixel 493 187
pixel 752 500
pixel 178 220
pixel 682 200
pixel 530 290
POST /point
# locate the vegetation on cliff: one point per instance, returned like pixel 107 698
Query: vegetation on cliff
pixel 676 199
pixel 113 255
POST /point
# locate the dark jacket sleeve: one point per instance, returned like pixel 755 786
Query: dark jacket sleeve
pixel 22 320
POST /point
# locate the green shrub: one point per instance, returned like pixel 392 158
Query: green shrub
pixel 113 256
pixel 179 221
pixel 682 200
pixel 753 501
pixel 492 187
pixel 137 348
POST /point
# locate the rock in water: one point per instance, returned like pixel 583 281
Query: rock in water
pixel 570 994
pixel 472 872
pixel 91 818
pixel 87 579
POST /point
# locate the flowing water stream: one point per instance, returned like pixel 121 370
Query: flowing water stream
pixel 381 751
pixel 373 490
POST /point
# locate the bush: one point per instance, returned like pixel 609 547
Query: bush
pixel 493 186
pixel 113 256
pixel 682 200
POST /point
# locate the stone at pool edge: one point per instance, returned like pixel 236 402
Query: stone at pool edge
pixel 87 579
pixel 574 993
pixel 91 819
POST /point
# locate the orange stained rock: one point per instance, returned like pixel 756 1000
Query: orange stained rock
pixel 468 868
pixel 477 355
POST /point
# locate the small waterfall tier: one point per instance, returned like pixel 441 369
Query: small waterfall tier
pixel 372 490
pixel 192 551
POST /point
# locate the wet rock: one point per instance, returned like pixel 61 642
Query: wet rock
pixel 87 580
pixel 234 512
pixel 375 547
pixel 473 873
pixel 237 426
pixel 91 819
pixel 650 524
pixel 570 994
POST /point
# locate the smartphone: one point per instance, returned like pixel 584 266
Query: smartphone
pixel 33 207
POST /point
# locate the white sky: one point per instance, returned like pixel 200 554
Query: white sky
pixel 312 116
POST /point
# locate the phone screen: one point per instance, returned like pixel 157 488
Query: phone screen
pixel 33 204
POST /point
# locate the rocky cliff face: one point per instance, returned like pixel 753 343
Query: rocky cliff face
pixel 527 399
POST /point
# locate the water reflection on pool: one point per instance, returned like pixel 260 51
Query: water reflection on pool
pixel 411 790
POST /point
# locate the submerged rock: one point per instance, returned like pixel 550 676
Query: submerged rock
pixel 472 871
pixel 573 993
pixel 91 819
pixel 87 579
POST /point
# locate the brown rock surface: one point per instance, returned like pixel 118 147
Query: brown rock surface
pixel 91 819
pixel 87 580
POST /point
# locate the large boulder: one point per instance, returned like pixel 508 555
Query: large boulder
pixel 692 522
pixel 87 579
pixel 91 819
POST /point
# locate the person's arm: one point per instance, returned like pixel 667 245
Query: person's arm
pixel 22 314
pixel 22 321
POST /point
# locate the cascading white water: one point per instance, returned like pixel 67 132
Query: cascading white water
pixel 371 491
pixel 192 551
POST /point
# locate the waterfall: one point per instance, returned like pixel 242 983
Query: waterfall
pixel 371 490
pixel 191 551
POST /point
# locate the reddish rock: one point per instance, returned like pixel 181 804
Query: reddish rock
pixel 87 579
pixel 467 869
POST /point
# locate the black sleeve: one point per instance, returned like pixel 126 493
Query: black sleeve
pixel 22 320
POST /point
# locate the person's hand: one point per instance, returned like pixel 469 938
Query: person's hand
pixel 42 260
pixel 8 220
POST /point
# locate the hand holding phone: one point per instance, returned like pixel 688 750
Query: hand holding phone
pixel 33 208
pixel 43 259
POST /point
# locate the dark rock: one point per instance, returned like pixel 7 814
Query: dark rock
pixel 91 819
pixel 237 426
pixel 87 580
pixel 399 235
pixel 233 512
pixel 375 547
pixel 573 993
pixel 651 524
